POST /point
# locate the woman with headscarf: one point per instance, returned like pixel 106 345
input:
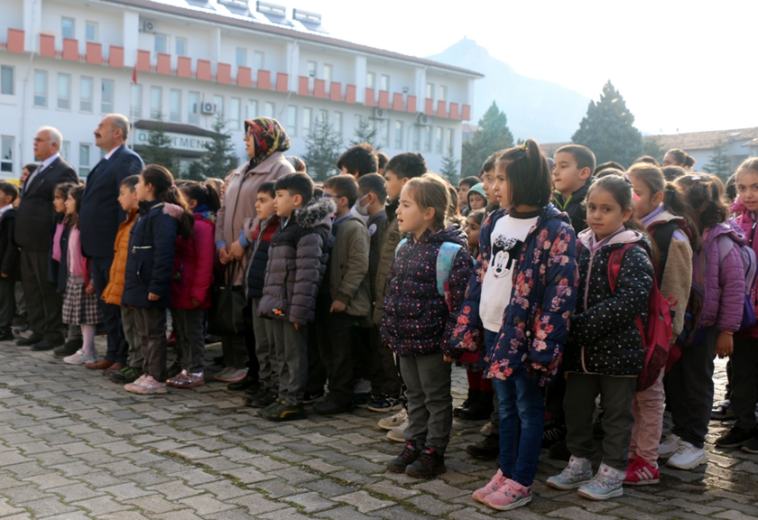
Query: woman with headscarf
pixel 265 142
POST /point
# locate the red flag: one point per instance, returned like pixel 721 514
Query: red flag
pixel 134 75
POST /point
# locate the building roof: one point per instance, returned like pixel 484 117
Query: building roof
pixel 752 144
pixel 202 10
pixel 703 140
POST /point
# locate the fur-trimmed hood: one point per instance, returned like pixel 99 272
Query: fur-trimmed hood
pixel 315 213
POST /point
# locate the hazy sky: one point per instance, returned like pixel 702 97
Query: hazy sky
pixel 689 66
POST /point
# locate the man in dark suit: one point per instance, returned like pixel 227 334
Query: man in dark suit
pixel 99 219
pixel 33 234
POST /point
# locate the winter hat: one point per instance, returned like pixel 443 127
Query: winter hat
pixel 478 189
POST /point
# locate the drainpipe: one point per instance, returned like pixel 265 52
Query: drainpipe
pixel 21 141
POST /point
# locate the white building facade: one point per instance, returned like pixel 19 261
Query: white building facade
pixel 66 63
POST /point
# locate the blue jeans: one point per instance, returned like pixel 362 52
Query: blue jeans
pixel 118 348
pixel 522 421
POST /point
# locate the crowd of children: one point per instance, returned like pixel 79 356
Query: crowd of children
pixel 580 298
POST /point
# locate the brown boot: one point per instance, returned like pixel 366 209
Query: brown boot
pixel 114 367
pixel 99 365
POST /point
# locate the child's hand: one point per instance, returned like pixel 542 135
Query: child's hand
pixel 89 290
pixel 338 306
pixel 724 345
pixel 4 275
pixel 223 255
pixel 195 303
pixel 297 326
pixel 236 251
pixel 153 297
pixel 447 358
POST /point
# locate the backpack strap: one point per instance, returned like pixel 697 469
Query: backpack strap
pixel 445 258
pixel 614 263
pixel 399 245
pixel 662 235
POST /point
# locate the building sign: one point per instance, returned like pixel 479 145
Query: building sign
pixel 187 143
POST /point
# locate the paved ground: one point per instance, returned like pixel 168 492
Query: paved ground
pixel 75 446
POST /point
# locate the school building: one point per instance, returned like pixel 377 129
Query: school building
pixel 66 63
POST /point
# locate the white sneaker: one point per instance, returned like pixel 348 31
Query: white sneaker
pixel 398 434
pixel 687 457
pixel 392 422
pixel 79 358
pixel 669 445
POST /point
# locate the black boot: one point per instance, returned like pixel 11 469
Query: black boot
pixel 480 407
pixel 486 449
pixel 402 461
pixel 466 403
pixel 429 464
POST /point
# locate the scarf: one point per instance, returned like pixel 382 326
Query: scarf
pixel 269 137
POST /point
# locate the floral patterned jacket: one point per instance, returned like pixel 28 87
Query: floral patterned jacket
pixel 536 322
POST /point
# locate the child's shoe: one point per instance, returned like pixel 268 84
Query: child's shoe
pixel 171 381
pixel 134 386
pixel 687 457
pixel 398 434
pixel 187 380
pixel 262 398
pixel 640 473
pixel 79 358
pixel 392 422
pixel 282 411
pixel 409 456
pixel 608 483
pixel 576 474
pixel 510 496
pixel 385 403
pixel 429 464
pixel 669 446
pixel 497 482
pixel 150 386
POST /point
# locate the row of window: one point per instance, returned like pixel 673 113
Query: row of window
pixel 7 148
pixel 68 29
pixel 63 99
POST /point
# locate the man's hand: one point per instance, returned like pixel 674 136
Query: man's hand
pixel 724 345
pixel 338 306
pixel 447 359
pixel 223 255
pixel 153 297
pixel 89 290
pixel 236 251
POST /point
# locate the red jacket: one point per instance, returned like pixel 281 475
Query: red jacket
pixel 193 265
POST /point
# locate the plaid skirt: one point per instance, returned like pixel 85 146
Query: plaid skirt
pixel 78 307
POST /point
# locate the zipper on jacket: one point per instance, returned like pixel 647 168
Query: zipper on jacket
pixel 752 234
pixel 587 284
pixel 134 248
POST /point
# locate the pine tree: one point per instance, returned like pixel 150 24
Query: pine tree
pixel 158 149
pixel 491 136
pixel 651 147
pixel 323 146
pixel 449 169
pixel 608 129
pixel 219 157
pixel 719 162
pixel 366 133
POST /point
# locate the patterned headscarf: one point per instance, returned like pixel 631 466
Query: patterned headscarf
pixel 269 137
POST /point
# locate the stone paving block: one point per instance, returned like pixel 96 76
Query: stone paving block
pixel 363 502
pixel 276 488
pixel 76 492
pixel 576 513
pixel 686 505
pixel 256 504
pixel 249 475
pixel 154 504
pixel 733 515
pixel 125 515
pixel 285 514
pixel 8 509
pixel 206 504
pixel 401 513
pixel 25 493
pixel 47 507
pixel 126 491
pixel 195 476
pixel 311 502
pixel 101 506
pixel 224 490
pixel 175 490
pixel 433 506
pixel 49 480
pixel 343 513
pixel 636 514
pixel 185 514
pixel 294 476
pixel 441 489
pixel 352 477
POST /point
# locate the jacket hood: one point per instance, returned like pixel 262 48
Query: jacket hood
pixel 732 230
pixel 315 213
pixel 579 195
pixel 173 210
pixel 628 236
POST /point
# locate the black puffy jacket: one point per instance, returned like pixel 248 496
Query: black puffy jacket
pixel 260 239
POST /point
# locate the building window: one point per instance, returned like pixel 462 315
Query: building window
pixel 234 113
pixel 85 95
pixel 67 27
pixel 307 117
pixel 417 138
pixel 292 120
pixel 311 69
pixel 175 106
pixel 83 160
pixel 450 142
pixel 91 31
pixel 438 139
pixel 6 80
pixel 384 133
pixel 399 135
pixel 323 116
pixel 370 80
pixel 66 150
pixel 337 124
pixel 443 93
pixel 427 138
pixel 252 109
pixel 327 74
pixel 64 91
pixel 106 105
pixel 193 109
pixel 156 102
pixel 258 62
pixel 40 88
pixel 430 90
pixel 6 153
pixel 135 102
pixel 269 109
pixel 161 43
pixel 385 82
pixel 357 120
pixel 219 102
pixel 181 46
pixel 241 57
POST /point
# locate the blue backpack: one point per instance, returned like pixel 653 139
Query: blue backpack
pixel 445 258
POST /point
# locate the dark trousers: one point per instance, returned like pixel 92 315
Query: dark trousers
pixel 336 334
pixel 554 396
pixel 151 326
pixel 617 394
pixel 7 304
pixel 385 380
pixel 689 390
pixel 316 369
pixel 190 338
pixel 744 376
pixel 490 337
pixel 118 348
pixel 239 350
pixel 132 338
pixel 44 303
pixel 292 351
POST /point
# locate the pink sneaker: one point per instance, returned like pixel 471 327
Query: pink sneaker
pixel 497 482
pixel 134 386
pixel 151 386
pixel 640 473
pixel 510 496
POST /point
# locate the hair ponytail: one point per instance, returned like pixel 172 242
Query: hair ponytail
pixel 166 191
pixel 204 194
pixel 528 175
pixel 703 194
pixel 682 158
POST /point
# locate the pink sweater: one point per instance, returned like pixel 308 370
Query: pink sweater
pixel 75 259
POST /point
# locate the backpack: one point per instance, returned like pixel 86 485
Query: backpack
pixel 751 277
pixel 656 340
pixel 445 258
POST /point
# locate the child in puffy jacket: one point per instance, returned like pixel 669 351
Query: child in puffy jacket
pixel 418 321
pixel 192 281
pixel 149 269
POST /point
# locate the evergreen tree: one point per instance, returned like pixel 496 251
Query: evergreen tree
pixel 158 148
pixel 491 136
pixel 608 129
pixel 194 172
pixel 651 147
pixel 450 169
pixel 323 146
pixel 719 162
pixel 219 157
pixel 365 133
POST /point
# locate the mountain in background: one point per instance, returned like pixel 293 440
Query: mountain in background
pixel 535 108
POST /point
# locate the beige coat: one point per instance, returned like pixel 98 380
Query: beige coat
pixel 239 200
